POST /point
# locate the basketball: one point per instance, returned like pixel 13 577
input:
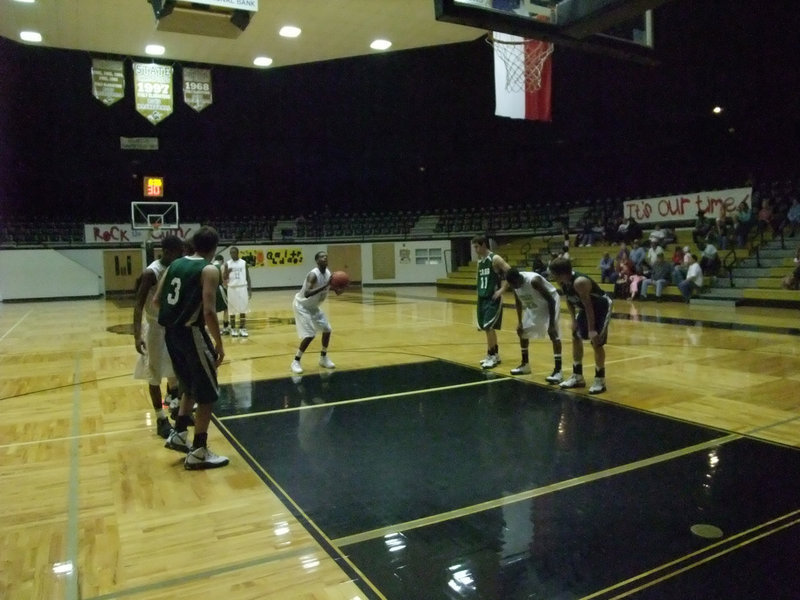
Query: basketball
pixel 339 280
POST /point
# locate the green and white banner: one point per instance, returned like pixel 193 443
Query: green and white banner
pixel 153 90
pixel 197 88
pixel 108 80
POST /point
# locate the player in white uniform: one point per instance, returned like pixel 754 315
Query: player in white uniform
pixel 538 308
pixel 309 317
pixel 154 363
pixel 240 290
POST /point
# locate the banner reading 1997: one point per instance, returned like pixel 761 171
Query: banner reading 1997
pixel 153 90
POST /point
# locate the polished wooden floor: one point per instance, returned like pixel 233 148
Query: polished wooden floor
pixel 94 507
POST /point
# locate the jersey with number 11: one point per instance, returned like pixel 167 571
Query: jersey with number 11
pixel 488 279
pixel 182 293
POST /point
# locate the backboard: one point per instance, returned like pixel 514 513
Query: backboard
pixel 620 28
pixel 154 215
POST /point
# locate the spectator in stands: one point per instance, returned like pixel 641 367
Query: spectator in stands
pixel 622 284
pixel 622 254
pixel 637 255
pixel 607 272
pixel 598 232
pixel 680 269
pixel 793 217
pixel 660 276
pixel 584 237
pixel 634 230
pixel 764 219
pixel 657 236
pixel 744 221
pixel 670 237
pixel 677 256
pixel 694 278
pixel 701 228
pixel 652 252
pixel 636 278
pixel 709 260
pixel 720 233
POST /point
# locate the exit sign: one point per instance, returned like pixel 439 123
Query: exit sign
pixel 153 187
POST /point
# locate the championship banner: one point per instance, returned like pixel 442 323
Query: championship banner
pixel 153 90
pixel 197 88
pixel 108 80
pixel 686 207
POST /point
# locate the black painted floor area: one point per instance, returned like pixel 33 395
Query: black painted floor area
pixel 354 467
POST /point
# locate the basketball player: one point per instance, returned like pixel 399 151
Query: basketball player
pixel 240 291
pixel 591 312
pixel 187 301
pixel 222 295
pixel 154 362
pixel 308 316
pixel 491 286
pixel 538 308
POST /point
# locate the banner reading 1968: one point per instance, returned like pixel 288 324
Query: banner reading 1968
pixel 108 80
pixel 197 88
pixel 153 90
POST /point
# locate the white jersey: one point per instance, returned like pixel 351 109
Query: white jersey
pixel 529 296
pixel 314 301
pixel 150 311
pixel 535 308
pixel 237 273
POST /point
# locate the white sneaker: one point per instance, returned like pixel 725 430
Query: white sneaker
pixel 296 367
pixel 574 381
pixel 598 386
pixel 234 333
pixel 483 360
pixel 326 362
pixel 203 458
pixel 556 377
pixel 491 362
pixel 178 441
pixel 225 331
pixel 522 370
pixel 243 332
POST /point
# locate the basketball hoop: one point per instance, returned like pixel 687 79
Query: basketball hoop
pixel 524 61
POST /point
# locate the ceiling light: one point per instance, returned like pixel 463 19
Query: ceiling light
pixel 30 36
pixel 262 61
pixel 381 45
pixel 716 110
pixel 154 49
pixel 25 1
pixel 289 31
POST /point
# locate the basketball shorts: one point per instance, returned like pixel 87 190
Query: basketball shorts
pixel 194 361
pixel 536 320
pixel 238 300
pixel 602 317
pixel 155 364
pixel 490 313
pixel 309 321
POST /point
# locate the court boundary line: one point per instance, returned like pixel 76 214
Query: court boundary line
pixel 533 493
pixel 278 411
pixel 14 326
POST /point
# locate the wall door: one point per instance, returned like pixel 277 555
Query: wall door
pixel 347 258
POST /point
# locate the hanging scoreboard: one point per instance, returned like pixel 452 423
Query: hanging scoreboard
pixel 153 187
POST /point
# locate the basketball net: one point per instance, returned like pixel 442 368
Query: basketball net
pixel 523 59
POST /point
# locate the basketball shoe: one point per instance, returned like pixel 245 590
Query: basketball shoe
pixel 178 441
pixel 574 381
pixel 203 458
pixel 491 361
pixel 326 362
pixel 524 369
pixel 556 377
pixel 163 428
pixel 243 332
pixel 598 386
pixel 296 367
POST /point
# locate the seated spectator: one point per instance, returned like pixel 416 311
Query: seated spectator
pixel 670 237
pixel 744 221
pixel 709 261
pixel 657 236
pixel 584 238
pixel 625 270
pixel 701 228
pixel 652 252
pixel 793 217
pixel 622 254
pixel 637 254
pixel 693 280
pixel 607 272
pixel 635 280
pixel 660 276
pixel 598 233
pixel 720 232
pixel 764 219
pixel 633 231
pixel 680 264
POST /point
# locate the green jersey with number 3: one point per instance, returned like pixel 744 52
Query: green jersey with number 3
pixel 488 279
pixel 182 294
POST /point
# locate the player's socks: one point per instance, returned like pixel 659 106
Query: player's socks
pixel 557 359
pixel 525 356
pixel 600 372
pixel 200 440
pixel 298 356
pixel 577 368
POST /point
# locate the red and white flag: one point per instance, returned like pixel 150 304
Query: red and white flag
pixel 513 98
